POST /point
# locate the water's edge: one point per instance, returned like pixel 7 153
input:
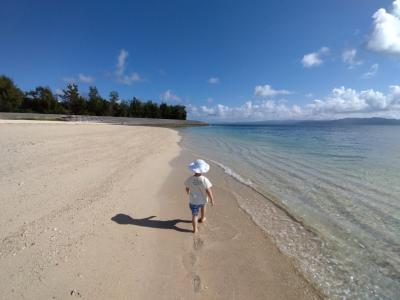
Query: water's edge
pixel 325 196
pixel 280 212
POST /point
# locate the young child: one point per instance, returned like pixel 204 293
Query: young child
pixel 198 187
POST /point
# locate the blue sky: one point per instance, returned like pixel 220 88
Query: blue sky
pixel 224 60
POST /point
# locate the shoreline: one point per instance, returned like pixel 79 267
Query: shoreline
pixel 89 119
pixel 247 239
pixel 90 203
pixel 243 192
pixel 333 256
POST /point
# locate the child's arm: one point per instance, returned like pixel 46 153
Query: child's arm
pixel 210 194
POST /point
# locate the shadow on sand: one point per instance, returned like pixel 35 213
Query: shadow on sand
pixel 148 222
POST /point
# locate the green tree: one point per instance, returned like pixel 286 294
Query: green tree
pixel 113 105
pixel 178 112
pixel 151 110
pixel 75 104
pixel 41 100
pixel 10 95
pixel 165 111
pixel 122 109
pixel 136 108
pixel 95 104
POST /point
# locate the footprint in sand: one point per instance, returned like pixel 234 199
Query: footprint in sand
pixel 189 261
pixel 196 283
pixel 197 243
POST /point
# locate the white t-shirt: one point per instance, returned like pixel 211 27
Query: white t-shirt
pixel 197 186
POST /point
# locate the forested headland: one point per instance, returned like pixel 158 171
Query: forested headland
pixel 71 101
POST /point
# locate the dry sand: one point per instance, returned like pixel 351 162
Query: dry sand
pixel 99 212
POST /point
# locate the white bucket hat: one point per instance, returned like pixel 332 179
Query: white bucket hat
pixel 199 166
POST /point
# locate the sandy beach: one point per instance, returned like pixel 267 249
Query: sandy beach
pixel 97 211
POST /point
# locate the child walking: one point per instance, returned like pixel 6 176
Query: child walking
pixel 198 187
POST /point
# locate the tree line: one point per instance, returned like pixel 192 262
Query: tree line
pixel 70 101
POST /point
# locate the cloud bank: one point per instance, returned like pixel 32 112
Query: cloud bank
pixel 268 91
pixel 341 102
pixel 385 36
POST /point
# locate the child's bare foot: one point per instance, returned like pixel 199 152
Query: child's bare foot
pixel 195 230
pixel 202 220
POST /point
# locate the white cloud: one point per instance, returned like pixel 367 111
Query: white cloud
pixel 123 55
pixel 385 36
pixel 85 78
pixel 372 71
pixel 168 95
pixel 309 95
pixel 344 101
pixel 347 101
pixel 81 78
pixel 268 91
pixel 213 80
pixel 70 80
pixel 250 111
pixel 129 79
pixel 208 111
pixel 120 74
pixel 349 58
pixel 395 91
pixel 314 59
pixel 341 102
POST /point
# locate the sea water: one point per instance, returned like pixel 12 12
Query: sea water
pixel 340 183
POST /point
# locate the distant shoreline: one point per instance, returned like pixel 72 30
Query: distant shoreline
pixel 101 119
pixel 328 122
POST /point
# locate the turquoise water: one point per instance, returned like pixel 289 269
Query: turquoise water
pixel 342 183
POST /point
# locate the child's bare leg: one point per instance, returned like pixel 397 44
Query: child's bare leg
pixel 194 223
pixel 203 214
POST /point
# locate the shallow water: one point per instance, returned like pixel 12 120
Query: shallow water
pixel 341 182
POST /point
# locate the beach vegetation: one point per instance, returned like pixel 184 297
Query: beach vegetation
pixel 72 101
pixel 10 95
pixel 41 100
pixel 96 104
